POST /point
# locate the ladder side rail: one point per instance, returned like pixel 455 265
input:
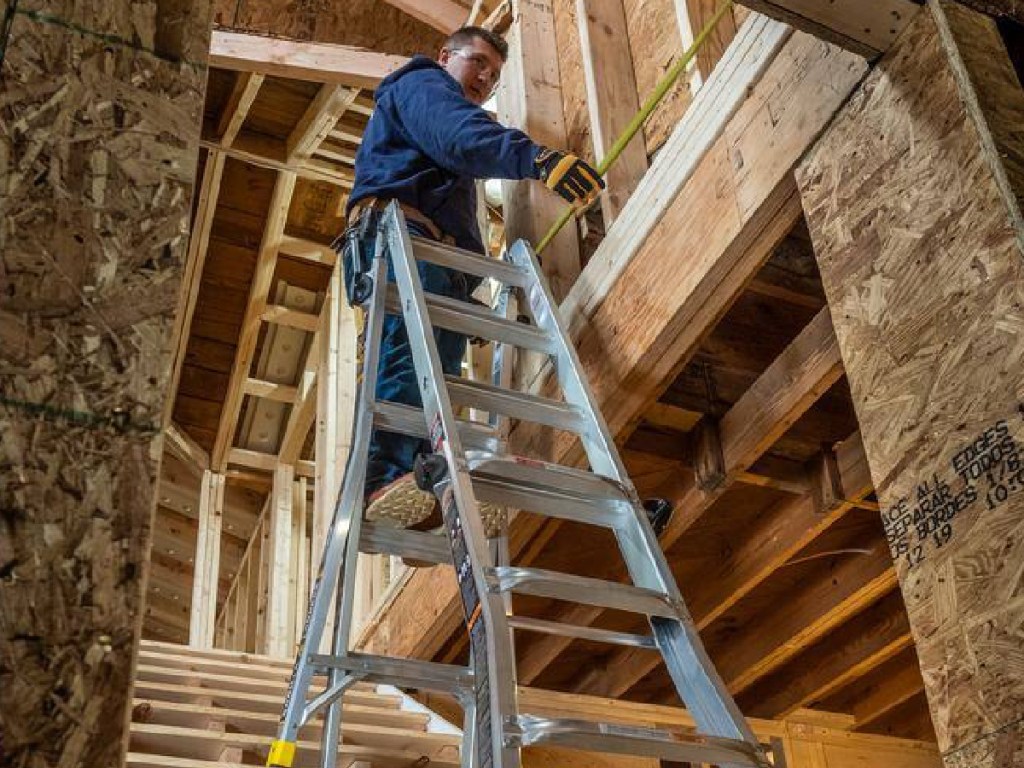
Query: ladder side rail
pixel 687 661
pixel 597 441
pixel 345 595
pixel 349 505
pixel 437 409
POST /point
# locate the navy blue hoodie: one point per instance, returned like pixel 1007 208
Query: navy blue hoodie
pixel 425 145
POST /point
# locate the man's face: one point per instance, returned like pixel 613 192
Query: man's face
pixel 475 65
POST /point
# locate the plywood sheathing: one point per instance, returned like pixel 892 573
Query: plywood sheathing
pixel 655 45
pixel 365 23
pixel 100 123
pixel 919 239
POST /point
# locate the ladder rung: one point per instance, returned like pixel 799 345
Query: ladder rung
pixel 544 627
pixel 552 490
pixel 407 420
pixel 581 589
pixel 633 740
pixel 420 545
pixel 401 673
pixel 471 320
pixel 469 262
pixel 518 405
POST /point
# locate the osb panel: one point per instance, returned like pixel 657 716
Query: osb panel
pixel 365 23
pixel 655 43
pixel 923 270
pixel 99 124
pixel 570 71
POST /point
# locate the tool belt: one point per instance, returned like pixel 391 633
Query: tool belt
pixel 356 258
pixel 378 204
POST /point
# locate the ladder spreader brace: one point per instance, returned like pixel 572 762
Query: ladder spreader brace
pixel 471 465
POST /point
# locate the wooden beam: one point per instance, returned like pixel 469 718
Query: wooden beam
pixel 318 120
pixel 335 406
pixel 280 592
pixel 880 690
pixel 850 584
pixel 195 260
pixel 307 250
pixel 298 576
pixel 830 665
pixel 530 98
pixel 867 29
pixel 671 417
pixel 249 333
pixel 935 373
pixel 317 62
pixel 181 444
pixel 443 15
pixel 692 16
pixel 714 106
pixel 612 99
pixel 266 152
pixel 207 561
pixel 292 318
pixel 101 117
pixel 243 94
pixel 279 393
pixel 266 461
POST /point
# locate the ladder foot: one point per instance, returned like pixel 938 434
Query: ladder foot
pixel 282 754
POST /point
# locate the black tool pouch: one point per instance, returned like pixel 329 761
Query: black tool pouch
pixel 355 247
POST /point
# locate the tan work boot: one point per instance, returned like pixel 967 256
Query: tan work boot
pixel 400 503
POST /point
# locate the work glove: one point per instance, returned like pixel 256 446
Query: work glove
pixel 570 177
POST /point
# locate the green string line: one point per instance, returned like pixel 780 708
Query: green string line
pixel 641 116
pixel 109 39
pixel 119 420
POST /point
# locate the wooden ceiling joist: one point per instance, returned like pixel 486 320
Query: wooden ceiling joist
pixel 443 15
pixel 853 650
pixel 316 62
pixel 243 94
pixel 781 631
pixel 318 120
pixel 267 462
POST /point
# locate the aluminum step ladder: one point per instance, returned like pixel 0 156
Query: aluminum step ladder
pixel 470 465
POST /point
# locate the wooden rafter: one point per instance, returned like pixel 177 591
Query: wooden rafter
pixel 243 94
pixel 318 120
pixel 317 62
pixel 258 294
pixel 443 15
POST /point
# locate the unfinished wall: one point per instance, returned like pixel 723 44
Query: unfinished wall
pixel 99 124
pixel 911 206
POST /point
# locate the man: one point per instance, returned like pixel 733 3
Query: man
pixel 426 144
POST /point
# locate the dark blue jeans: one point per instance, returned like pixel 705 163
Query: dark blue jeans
pixel 392 455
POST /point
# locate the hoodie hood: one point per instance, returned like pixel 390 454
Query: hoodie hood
pixel 416 63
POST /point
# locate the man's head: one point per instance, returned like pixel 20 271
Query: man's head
pixel 473 56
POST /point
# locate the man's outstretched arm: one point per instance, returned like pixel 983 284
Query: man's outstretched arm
pixel 462 138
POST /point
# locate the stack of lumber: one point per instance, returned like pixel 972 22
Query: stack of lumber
pixel 193 709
